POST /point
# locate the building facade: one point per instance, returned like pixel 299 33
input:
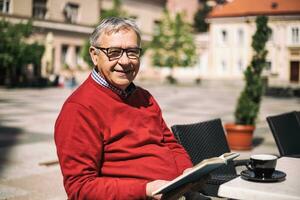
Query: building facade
pixel 64 25
pixel 147 14
pixel 61 25
pixel 231 28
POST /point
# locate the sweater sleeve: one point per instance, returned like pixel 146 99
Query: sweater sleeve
pixel 182 159
pixel 80 151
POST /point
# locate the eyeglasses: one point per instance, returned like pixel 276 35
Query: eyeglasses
pixel 114 53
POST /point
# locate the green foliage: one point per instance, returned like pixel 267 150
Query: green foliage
pixel 249 101
pixel 85 53
pixel 199 18
pixel 116 10
pixel 173 43
pixel 15 53
pixel 145 46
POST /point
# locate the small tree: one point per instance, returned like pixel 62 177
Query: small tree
pixel 85 53
pixel 249 101
pixel 173 44
pixel 115 11
pixel 199 18
pixel 15 53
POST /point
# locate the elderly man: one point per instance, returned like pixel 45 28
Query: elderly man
pixel 111 139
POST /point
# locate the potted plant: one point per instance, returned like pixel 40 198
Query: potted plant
pixel 240 133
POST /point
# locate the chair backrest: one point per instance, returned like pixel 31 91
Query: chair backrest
pixel 298 116
pixel 204 140
pixel 286 131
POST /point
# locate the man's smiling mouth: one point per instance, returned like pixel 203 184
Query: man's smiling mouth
pixel 123 71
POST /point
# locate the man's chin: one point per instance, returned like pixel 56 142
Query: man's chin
pixel 122 84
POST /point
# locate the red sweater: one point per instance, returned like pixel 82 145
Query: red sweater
pixel 109 147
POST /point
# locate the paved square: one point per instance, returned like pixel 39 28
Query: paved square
pixel 27 117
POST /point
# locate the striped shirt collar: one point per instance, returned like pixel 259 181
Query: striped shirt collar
pixel 101 81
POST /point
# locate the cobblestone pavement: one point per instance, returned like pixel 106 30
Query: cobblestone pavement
pixel 27 117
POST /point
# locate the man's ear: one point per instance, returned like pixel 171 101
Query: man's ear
pixel 94 55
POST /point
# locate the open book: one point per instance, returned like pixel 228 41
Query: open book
pixel 199 170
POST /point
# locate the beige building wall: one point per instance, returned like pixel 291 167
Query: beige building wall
pixel 229 48
pixel 88 13
pixel 188 8
pixel 146 13
pixel 149 12
pixel 282 50
pixel 21 8
pixel 229 57
pixel 62 39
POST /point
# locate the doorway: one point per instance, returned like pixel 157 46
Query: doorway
pixel 294 71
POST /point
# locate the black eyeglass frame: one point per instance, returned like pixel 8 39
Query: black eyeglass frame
pixel 105 51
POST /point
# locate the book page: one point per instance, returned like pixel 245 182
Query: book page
pixel 199 170
pixel 229 156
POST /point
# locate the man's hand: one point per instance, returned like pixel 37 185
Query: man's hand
pixel 177 193
pixel 154 185
pixel 196 186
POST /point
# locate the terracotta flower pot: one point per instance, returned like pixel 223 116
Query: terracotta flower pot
pixel 239 137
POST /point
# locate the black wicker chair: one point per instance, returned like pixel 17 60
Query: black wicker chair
pixel 298 116
pixel 285 128
pixel 205 140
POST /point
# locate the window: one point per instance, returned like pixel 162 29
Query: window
pixel 268 66
pixel 224 66
pixel 240 36
pixel 78 56
pixel 224 36
pixel 71 12
pixel 295 35
pixel 64 51
pixel 240 65
pixel 4 6
pixel 272 35
pixel 39 9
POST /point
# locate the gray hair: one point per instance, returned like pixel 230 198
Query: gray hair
pixel 113 25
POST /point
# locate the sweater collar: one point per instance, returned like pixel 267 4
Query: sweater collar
pixel 98 78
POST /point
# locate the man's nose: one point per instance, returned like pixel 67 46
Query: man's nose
pixel 124 59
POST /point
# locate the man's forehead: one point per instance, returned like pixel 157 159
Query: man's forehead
pixel 116 30
pixel 111 32
pixel 112 35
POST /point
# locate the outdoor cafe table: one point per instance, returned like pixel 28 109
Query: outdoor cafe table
pixel 287 189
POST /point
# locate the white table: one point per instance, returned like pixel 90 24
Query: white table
pixel 285 190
